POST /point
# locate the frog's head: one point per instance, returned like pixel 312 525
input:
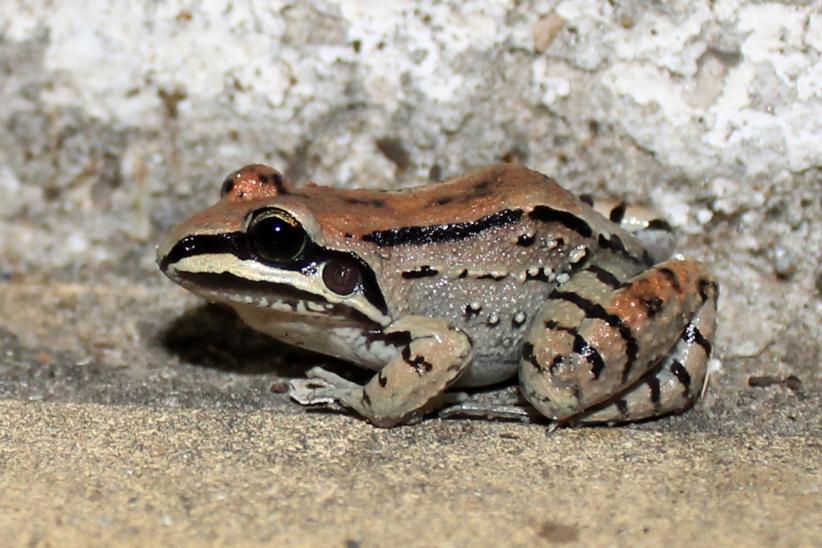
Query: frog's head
pixel 261 246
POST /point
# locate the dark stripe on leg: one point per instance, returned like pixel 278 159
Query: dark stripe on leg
pixel 682 376
pixel 693 335
pixel 653 385
pixel 604 276
pixel 622 406
pixel 596 311
pixel 528 355
pixel 590 354
pixel 668 273
pixel 581 347
pixel 652 305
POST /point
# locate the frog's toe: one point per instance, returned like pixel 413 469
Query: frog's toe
pixel 311 392
pixel 319 374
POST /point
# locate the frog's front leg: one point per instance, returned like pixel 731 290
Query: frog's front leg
pixel 600 345
pixel 433 355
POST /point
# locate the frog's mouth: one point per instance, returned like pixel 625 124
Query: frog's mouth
pixel 228 288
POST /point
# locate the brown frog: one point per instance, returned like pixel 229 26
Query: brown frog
pixel 464 283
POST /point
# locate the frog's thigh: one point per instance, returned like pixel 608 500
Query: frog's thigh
pixel 596 337
pixel 432 358
pixel 675 385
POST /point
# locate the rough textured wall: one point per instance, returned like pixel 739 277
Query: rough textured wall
pixel 119 119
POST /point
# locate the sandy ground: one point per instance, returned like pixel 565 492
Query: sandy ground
pixel 142 475
pixel 190 440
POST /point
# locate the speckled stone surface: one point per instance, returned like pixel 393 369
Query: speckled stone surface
pixel 133 412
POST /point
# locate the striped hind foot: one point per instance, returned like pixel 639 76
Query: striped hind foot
pixel 608 347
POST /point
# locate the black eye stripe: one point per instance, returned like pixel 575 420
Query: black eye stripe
pixel 234 243
pixel 237 244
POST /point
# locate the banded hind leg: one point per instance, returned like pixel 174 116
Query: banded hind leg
pixel 609 345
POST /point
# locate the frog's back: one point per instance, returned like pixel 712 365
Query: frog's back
pixel 458 201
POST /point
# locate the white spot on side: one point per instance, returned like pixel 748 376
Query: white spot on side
pixel 493 319
pixel 562 278
pixel 519 318
pixel 475 306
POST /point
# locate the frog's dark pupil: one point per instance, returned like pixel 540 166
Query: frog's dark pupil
pixel 277 238
pixel 341 277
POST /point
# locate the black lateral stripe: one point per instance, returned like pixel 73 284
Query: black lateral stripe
pixel 590 354
pixel 420 235
pixel 617 213
pixel 682 375
pixel 692 335
pixel 422 272
pixel 604 276
pixel 568 220
pixel 594 310
pixel 656 393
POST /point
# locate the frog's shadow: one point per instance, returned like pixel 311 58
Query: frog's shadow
pixel 214 337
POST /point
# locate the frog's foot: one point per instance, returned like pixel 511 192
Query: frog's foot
pixel 320 387
pixel 505 404
pixel 621 350
pixel 433 355
pixel 655 233
pixel 477 410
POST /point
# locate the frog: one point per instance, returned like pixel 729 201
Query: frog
pixel 496 276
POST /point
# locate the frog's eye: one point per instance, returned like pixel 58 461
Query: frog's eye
pixel 276 235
